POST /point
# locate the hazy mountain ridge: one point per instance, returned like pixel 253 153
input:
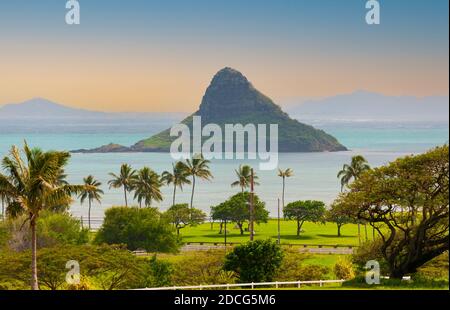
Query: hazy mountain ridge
pixel 369 106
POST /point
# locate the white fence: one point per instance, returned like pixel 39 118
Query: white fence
pixel 244 285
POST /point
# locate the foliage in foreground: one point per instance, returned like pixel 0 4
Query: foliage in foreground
pixel 407 203
pixel 256 261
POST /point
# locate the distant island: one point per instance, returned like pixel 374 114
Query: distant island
pixel 232 99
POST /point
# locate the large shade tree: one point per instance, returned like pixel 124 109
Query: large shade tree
pixel 237 210
pixel 305 211
pixel 407 203
pixel 33 181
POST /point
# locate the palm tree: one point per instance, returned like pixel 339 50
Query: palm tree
pixel 124 179
pixel 178 177
pixel 244 177
pixel 4 199
pixel 91 192
pixel 285 174
pixel 34 184
pixel 197 167
pixel 147 187
pixel 353 171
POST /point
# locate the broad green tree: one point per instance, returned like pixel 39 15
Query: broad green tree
pixel 33 183
pixel 338 214
pixel 182 215
pixel 407 203
pixel 236 209
pixel 91 192
pixel 123 179
pixel 305 211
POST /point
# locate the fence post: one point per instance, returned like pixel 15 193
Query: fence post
pixel 228 287
pixel 276 284
pixel 253 285
pixel 299 284
pixel 320 282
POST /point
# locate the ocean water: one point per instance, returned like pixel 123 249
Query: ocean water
pixel 315 173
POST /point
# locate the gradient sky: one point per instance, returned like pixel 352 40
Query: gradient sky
pixel 148 55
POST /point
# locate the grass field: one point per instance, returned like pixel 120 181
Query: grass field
pixel 313 234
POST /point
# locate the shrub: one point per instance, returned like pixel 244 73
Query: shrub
pixel 343 270
pixel 256 261
pixel 53 229
pixel 202 268
pixel 138 229
pixel 313 273
pixel 290 269
pixel 369 251
pixel 160 273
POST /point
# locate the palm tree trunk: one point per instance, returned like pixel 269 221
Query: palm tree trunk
pixel 126 199
pixel 193 189
pixel 3 207
pixel 89 214
pixel 284 186
pixel 174 193
pixel 34 276
pixel 365 230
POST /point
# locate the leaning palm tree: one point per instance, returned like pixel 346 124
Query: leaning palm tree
pixel 353 171
pixel 4 200
pixel 197 167
pixel 33 184
pixel 147 187
pixel 124 179
pixel 244 177
pixel 91 192
pixel 178 177
pixel 285 174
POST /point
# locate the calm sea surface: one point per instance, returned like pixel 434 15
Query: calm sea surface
pixel 315 174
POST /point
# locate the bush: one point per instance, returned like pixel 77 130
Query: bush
pixel 343 270
pixel 256 261
pixel 367 252
pixel 313 273
pixel 103 267
pixel 202 268
pixel 138 229
pixel 52 229
pixel 436 269
pixel 160 273
pixel 290 269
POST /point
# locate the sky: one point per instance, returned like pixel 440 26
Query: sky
pixel 160 56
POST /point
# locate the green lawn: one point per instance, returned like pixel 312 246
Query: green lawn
pixel 313 234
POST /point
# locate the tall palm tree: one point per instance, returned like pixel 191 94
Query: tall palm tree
pixel 91 192
pixel 285 174
pixel 33 184
pixel 353 171
pixel 178 177
pixel 124 179
pixel 197 167
pixel 147 187
pixel 4 200
pixel 244 177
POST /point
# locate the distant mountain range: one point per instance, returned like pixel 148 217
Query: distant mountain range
pixel 368 106
pixel 39 108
